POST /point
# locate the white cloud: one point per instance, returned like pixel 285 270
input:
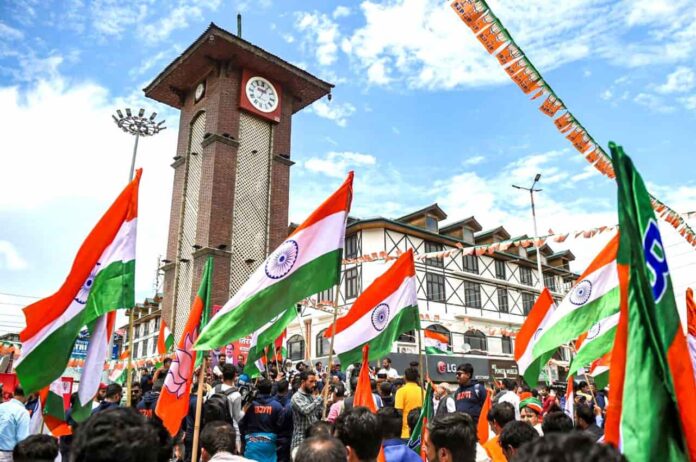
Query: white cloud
pixel 10 33
pixel 475 160
pixel 337 112
pixel 289 38
pixel 606 95
pixel 689 102
pixel 178 18
pixel 111 18
pixel 679 81
pixel 653 102
pixel 321 34
pixel 10 258
pixel 341 11
pixel 336 164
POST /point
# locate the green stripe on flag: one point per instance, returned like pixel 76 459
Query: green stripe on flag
pixel 267 338
pixel 426 415
pixel 593 350
pixel 204 295
pixel 113 289
pixel 431 350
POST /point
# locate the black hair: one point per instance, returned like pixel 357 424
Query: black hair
pixel 388 360
pixel 157 386
pixel 535 392
pixel 166 442
pixel 18 391
pixel 390 420
pixel 340 390
pixel 466 367
pixel 113 389
pixel 385 388
pixel 115 435
pixel 509 384
pixel 455 432
pixel 359 430
pixel 413 364
pixel 264 386
pixel 411 374
pixel 582 385
pixel 502 413
pixel 353 382
pixel 412 418
pixel 304 375
pixel 229 372
pixel 135 384
pixel 321 449
pixel 218 436
pixel 319 428
pixel 584 413
pixel 283 386
pixel 556 422
pixel 568 447
pixel 517 433
pixel 36 448
pixel 166 361
pixel 373 385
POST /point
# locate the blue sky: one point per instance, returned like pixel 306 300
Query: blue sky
pixel 420 111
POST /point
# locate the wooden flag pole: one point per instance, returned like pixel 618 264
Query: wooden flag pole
pixel 420 361
pixel 199 407
pixel 331 346
pixel 587 379
pixel 131 345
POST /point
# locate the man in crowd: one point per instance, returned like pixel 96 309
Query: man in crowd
pixel 136 394
pixel 147 406
pixel 567 447
pixel 451 438
pixel 261 424
pixel 585 421
pixel 336 372
pixel 514 435
pixel 234 398
pixel 470 396
pixel 282 396
pixel 530 410
pixel 112 398
pixel 161 373
pixel 385 392
pixel 240 363
pixel 395 449
pixel 306 404
pixel 14 424
pixel 388 369
pixel 145 380
pixel 408 397
pixel 321 449
pixel 442 402
pixel 36 448
pixel 509 395
pixel 359 431
pixel 557 422
pixel 99 397
pixel 222 360
pixel 499 416
pixel 218 443
pixel 339 395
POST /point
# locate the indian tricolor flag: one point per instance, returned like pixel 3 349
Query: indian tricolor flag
pixel 596 343
pixel 691 326
pixel 308 262
pixel 593 300
pixel 652 408
pixel 599 370
pixel 385 310
pixel 101 280
pixel 165 339
pixel 436 343
pixel 530 366
pixel 264 340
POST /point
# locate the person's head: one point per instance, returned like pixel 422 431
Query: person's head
pixel 386 363
pixel 318 366
pixel 101 392
pixel 339 391
pixel 308 381
pixel 115 435
pixel 166 363
pixel 321 449
pixel 114 393
pixel 583 387
pixel 217 436
pixel 264 387
pixel 390 420
pixel 500 415
pixel 544 391
pixel 136 392
pixel 240 359
pixel 441 391
pixel 229 372
pixel 319 428
pixel 451 438
pixel 412 418
pixel 36 448
pixel 464 373
pixel 373 385
pixel 385 389
pixel 353 382
pixel 567 447
pixel 222 359
pixel 509 385
pixel 584 416
pixel 411 374
pixel 556 422
pixel 283 387
pixel 18 394
pixel 359 431
pixel 530 410
pixel 514 435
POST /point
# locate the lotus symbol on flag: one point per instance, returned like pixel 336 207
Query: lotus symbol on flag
pixel 181 369
pixel 581 293
pixel 282 260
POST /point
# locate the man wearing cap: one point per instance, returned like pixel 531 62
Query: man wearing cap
pixel 530 411
pixel 112 398
pixel 470 396
pixel 99 397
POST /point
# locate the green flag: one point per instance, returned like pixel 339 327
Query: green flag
pixel 203 296
pixel 418 434
pixel 264 339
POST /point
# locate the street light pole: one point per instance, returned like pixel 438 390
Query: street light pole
pixel 137 125
pixel 536 232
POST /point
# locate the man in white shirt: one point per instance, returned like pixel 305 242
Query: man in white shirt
pixel 509 396
pixel 387 369
pixel 234 398
pixel 442 402
pixel 14 424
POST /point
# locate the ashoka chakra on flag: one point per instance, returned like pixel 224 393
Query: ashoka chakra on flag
pixel 282 260
pixel 380 316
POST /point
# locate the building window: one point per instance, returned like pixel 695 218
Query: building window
pixel 325 296
pixel 435 287
pixel 323 344
pixel 431 224
pixel 527 303
pixel 526 276
pixel 352 288
pixel 472 294
pixel 500 269
pixel 507 345
pixel 476 340
pixel 352 246
pixel 408 337
pixel 433 247
pixel 503 305
pixel 550 281
pixel 296 345
pixel 470 263
pixel 157 323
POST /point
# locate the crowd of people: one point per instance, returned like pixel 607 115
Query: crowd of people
pixel 306 413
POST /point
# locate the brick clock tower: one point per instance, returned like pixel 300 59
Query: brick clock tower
pixel 232 165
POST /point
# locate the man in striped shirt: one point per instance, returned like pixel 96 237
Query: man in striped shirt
pixel 306 405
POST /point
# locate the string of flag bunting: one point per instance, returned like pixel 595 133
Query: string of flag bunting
pixel 489 30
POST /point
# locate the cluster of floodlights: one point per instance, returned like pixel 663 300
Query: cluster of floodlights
pixel 138 125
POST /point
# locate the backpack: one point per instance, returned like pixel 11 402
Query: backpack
pixel 217 407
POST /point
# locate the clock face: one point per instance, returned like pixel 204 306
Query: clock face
pixel 199 91
pixel 262 94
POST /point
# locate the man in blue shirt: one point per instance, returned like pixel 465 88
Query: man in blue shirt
pixel 14 424
pixel 395 449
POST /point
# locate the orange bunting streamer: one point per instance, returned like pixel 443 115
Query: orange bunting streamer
pixel 551 106
pixel 527 80
pixel 592 156
pixel 509 53
pixel 582 143
pixel 575 133
pixel 516 67
pixel 539 93
pixel 482 22
pixel 468 11
pixel 493 37
pixel 563 122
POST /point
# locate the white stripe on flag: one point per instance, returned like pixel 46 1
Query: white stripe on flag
pixel 94 363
